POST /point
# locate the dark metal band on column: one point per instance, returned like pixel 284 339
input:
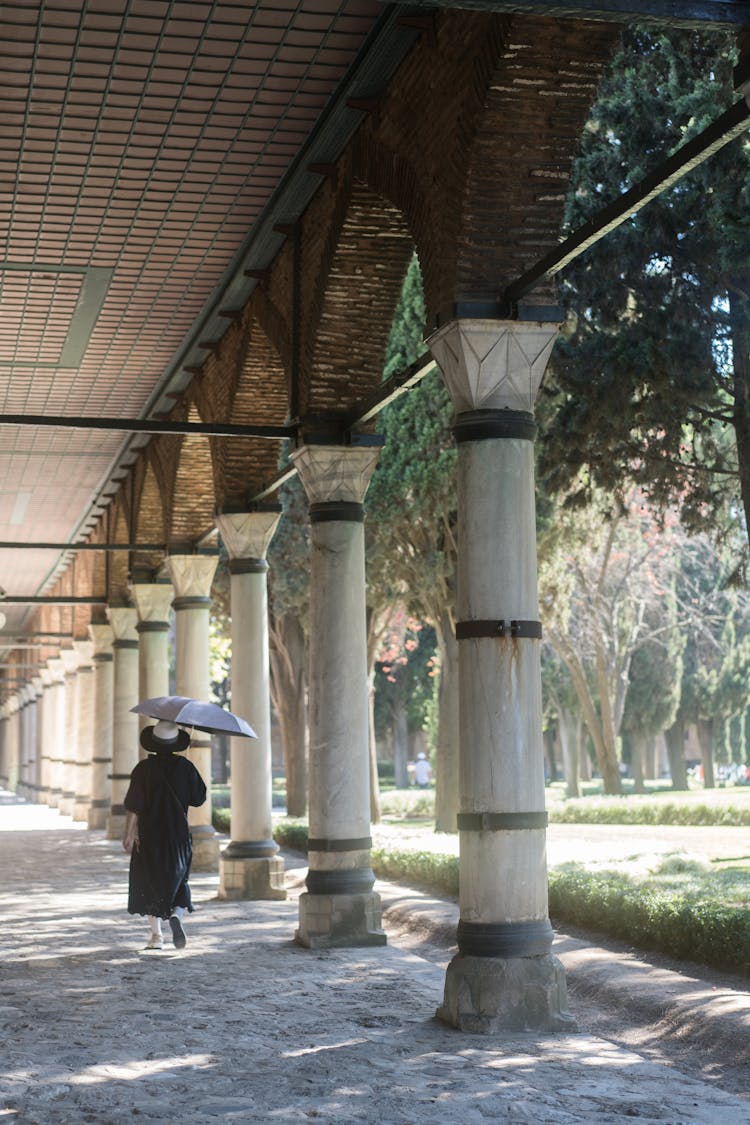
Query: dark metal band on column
pixel 152 627
pixel 506 939
pixel 322 844
pixel 466 630
pixel 248 566
pixel 250 849
pixel 325 511
pixel 501 821
pixel 124 643
pixel 194 601
pixel 351 881
pixel 101 658
pixel 487 425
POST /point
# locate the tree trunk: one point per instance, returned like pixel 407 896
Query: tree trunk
pixel 638 759
pixel 706 740
pixel 376 811
pixel 289 696
pixel 675 740
pixel 739 323
pixel 569 727
pixel 447 788
pixel 400 744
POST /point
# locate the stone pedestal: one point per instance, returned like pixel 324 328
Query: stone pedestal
pixel 249 866
pixel 339 908
pixel 44 726
pixel 102 725
pixel 123 620
pixel 192 576
pixel 504 975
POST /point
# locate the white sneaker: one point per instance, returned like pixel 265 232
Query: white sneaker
pixel 156 941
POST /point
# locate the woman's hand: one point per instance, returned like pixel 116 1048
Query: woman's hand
pixel 131 839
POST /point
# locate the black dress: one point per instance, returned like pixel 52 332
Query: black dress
pixel 161 788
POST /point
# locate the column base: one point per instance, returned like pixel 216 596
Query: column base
pixel 243 878
pixel 115 825
pixel 66 804
pixel 485 995
pixel 205 848
pixel 97 817
pixel 339 921
pixel 81 810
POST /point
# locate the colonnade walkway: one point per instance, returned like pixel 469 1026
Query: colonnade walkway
pixel 245 1025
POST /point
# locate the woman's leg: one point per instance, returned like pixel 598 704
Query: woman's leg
pixel 156 941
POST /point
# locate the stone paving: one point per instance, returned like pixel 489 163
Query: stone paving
pixel 244 1025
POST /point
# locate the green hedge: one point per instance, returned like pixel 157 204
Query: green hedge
pixel 605 903
pixel 629 810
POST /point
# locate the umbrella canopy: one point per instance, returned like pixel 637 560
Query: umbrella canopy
pixel 208 717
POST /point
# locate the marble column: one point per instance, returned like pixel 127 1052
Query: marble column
pixel 57 731
pixel 14 755
pixel 192 576
pixel 69 657
pixel 84 729
pixel 37 792
pixel 23 743
pixel 102 725
pixel 339 907
pixel 4 746
pixel 123 620
pixel 45 710
pixel 152 602
pixel 504 975
pixel 249 867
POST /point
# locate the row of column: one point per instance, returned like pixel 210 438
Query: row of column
pixel 504 974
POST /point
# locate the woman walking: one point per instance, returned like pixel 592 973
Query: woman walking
pixel 157 835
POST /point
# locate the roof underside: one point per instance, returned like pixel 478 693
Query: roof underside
pixel 147 149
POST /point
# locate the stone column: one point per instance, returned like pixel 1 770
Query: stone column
pixel 192 576
pixel 69 657
pixel 37 766
pixel 14 764
pixel 152 602
pixel 102 725
pixel 4 748
pixel 504 975
pixel 123 620
pixel 23 742
pixel 57 731
pixel 84 729
pixel 340 907
pixel 250 867
pixel 45 709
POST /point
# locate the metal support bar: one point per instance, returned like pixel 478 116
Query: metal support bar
pixel 149 426
pixel 672 13
pixel 17 545
pixel 730 125
pixel 52 599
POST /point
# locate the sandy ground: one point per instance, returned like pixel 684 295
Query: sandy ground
pixel 245 1025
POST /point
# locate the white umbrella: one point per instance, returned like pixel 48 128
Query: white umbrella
pixel 186 712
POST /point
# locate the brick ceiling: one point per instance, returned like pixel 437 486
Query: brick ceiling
pixel 140 143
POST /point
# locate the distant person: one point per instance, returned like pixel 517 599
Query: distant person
pixel 422 771
pixel 157 835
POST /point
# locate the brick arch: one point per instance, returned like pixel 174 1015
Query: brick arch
pixel 119 562
pixel 473 142
pixel 348 327
pixel 541 88
pixel 260 392
pixel 149 517
pixel 192 505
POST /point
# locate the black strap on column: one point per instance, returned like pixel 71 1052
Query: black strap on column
pixel 488 425
pixel 152 627
pixel 250 849
pixel 248 566
pixel 466 630
pixel 352 881
pixel 501 821
pixel 321 844
pixel 513 939
pixel 191 601
pixel 325 511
